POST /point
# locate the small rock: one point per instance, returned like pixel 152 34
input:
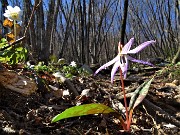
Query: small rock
pixel 87 68
pixel 85 92
pixel 66 94
pixel 155 60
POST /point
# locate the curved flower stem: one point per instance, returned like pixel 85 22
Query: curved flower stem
pixel 125 101
pixel 14 30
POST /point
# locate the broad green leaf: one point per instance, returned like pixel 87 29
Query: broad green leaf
pixel 81 110
pixel 3 40
pixel 19 49
pixel 139 94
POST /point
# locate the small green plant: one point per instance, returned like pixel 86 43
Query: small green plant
pixel 42 67
pixel 13 54
pixel 71 71
pixel 3 43
pixel 11 51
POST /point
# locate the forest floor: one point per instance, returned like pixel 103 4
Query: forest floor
pixel 158 114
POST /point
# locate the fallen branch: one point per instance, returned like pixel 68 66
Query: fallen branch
pixel 68 84
pixel 160 112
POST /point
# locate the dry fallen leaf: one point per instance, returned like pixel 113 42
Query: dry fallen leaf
pixel 8 23
pixel 10 37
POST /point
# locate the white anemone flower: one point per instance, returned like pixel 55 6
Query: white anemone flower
pixel 13 13
pixel 73 64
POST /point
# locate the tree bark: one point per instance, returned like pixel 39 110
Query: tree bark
pixel 31 34
pixel 4 4
pixel 123 26
pixel 177 10
pixel 40 29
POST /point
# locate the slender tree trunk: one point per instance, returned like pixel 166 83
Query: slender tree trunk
pixel 177 56
pixel 40 29
pixel 82 38
pixel 31 35
pixel 51 23
pixel 123 26
pixel 66 31
pixel 46 47
pixel 4 4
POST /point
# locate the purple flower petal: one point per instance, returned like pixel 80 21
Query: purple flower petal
pixel 124 67
pixel 127 47
pixel 139 61
pixel 107 64
pixel 142 46
pixel 114 69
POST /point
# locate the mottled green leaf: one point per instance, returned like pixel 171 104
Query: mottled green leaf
pixel 81 110
pixel 139 94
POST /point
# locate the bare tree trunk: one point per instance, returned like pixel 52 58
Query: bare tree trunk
pixel 50 26
pixel 81 36
pixel 66 29
pixel 31 35
pixel 177 10
pixel 40 28
pixel 54 25
pixel 123 26
pixel 4 4
pixel 45 50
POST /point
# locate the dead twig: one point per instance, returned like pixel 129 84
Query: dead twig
pixel 156 128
